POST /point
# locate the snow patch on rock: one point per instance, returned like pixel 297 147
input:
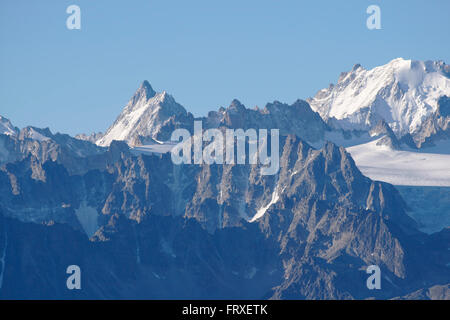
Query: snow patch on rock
pixel 88 218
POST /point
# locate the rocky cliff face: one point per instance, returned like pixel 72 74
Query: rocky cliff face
pixel 43 145
pixel 386 136
pixel 298 119
pixel 436 127
pixel 138 226
pixel 151 117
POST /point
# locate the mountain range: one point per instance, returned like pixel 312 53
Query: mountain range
pixel 141 227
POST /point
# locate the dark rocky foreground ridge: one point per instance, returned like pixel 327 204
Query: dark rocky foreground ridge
pixel 142 227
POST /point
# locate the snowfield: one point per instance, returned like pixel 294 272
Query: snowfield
pixel 408 168
pixel 160 148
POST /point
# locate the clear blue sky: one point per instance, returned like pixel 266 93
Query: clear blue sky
pixel 205 53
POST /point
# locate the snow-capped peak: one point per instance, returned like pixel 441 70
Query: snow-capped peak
pixel 144 116
pixel 403 93
pixel 7 128
pixel 145 92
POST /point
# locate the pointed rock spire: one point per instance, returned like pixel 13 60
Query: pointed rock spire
pixel 145 91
